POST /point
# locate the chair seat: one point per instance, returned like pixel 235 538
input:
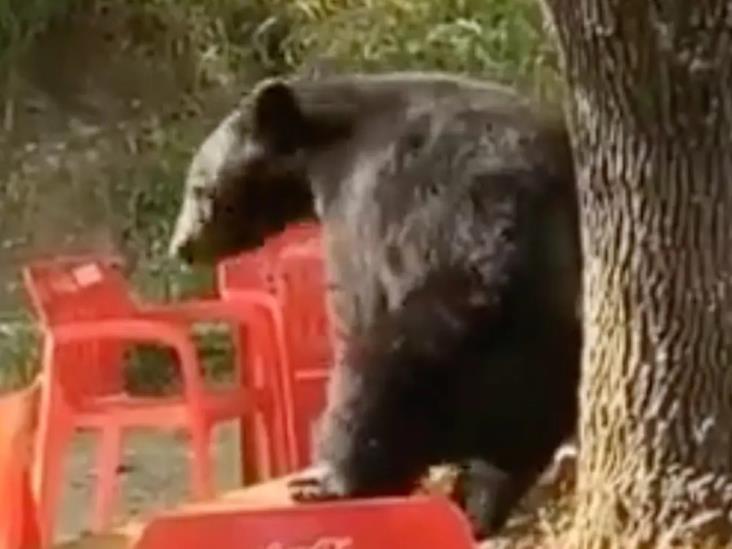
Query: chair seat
pixel 417 522
pixel 124 410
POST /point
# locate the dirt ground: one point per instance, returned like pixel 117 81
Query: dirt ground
pixel 153 475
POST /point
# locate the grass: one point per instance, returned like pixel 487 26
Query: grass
pixel 19 353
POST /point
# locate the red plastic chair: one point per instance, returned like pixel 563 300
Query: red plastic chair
pixel 18 520
pixel 290 267
pixel 310 342
pixel 404 523
pixel 82 302
pixel 255 270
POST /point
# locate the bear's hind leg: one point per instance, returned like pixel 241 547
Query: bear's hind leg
pixel 488 494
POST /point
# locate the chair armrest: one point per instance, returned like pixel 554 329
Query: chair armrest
pixel 240 309
pixel 255 309
pixel 142 330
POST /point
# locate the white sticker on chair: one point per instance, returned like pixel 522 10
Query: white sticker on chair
pixel 88 274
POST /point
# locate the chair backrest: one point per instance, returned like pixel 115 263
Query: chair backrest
pixel 81 288
pixel 294 234
pixel 254 269
pixel 18 518
pixel 404 523
pixel 68 289
pixel 246 271
pixel 309 339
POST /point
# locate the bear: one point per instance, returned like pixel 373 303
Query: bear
pixel 451 240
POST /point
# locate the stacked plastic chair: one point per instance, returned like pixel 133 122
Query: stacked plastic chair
pixel 289 266
pixel 310 343
pixel 87 315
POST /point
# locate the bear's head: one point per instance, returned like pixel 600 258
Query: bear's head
pixel 292 144
pixel 248 179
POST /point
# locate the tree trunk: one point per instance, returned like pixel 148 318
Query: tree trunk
pixel 650 110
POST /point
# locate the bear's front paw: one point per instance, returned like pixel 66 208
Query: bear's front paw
pixel 309 489
pixel 315 486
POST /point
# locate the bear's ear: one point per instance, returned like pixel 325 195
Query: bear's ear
pixel 278 119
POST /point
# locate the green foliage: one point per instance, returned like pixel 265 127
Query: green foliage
pixel 501 39
pixel 148 195
pixel 18 353
pixel 21 20
pixel 127 176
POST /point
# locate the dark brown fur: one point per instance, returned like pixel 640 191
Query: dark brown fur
pixel 450 225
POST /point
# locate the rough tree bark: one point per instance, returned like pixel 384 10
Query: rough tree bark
pixel 650 109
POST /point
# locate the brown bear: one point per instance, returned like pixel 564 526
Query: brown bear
pixel 450 228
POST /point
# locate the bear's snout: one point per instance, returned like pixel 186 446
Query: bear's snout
pixel 181 246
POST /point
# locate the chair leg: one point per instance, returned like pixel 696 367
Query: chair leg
pixel 55 431
pixel 108 457
pixel 201 462
pixel 250 471
pixel 30 535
